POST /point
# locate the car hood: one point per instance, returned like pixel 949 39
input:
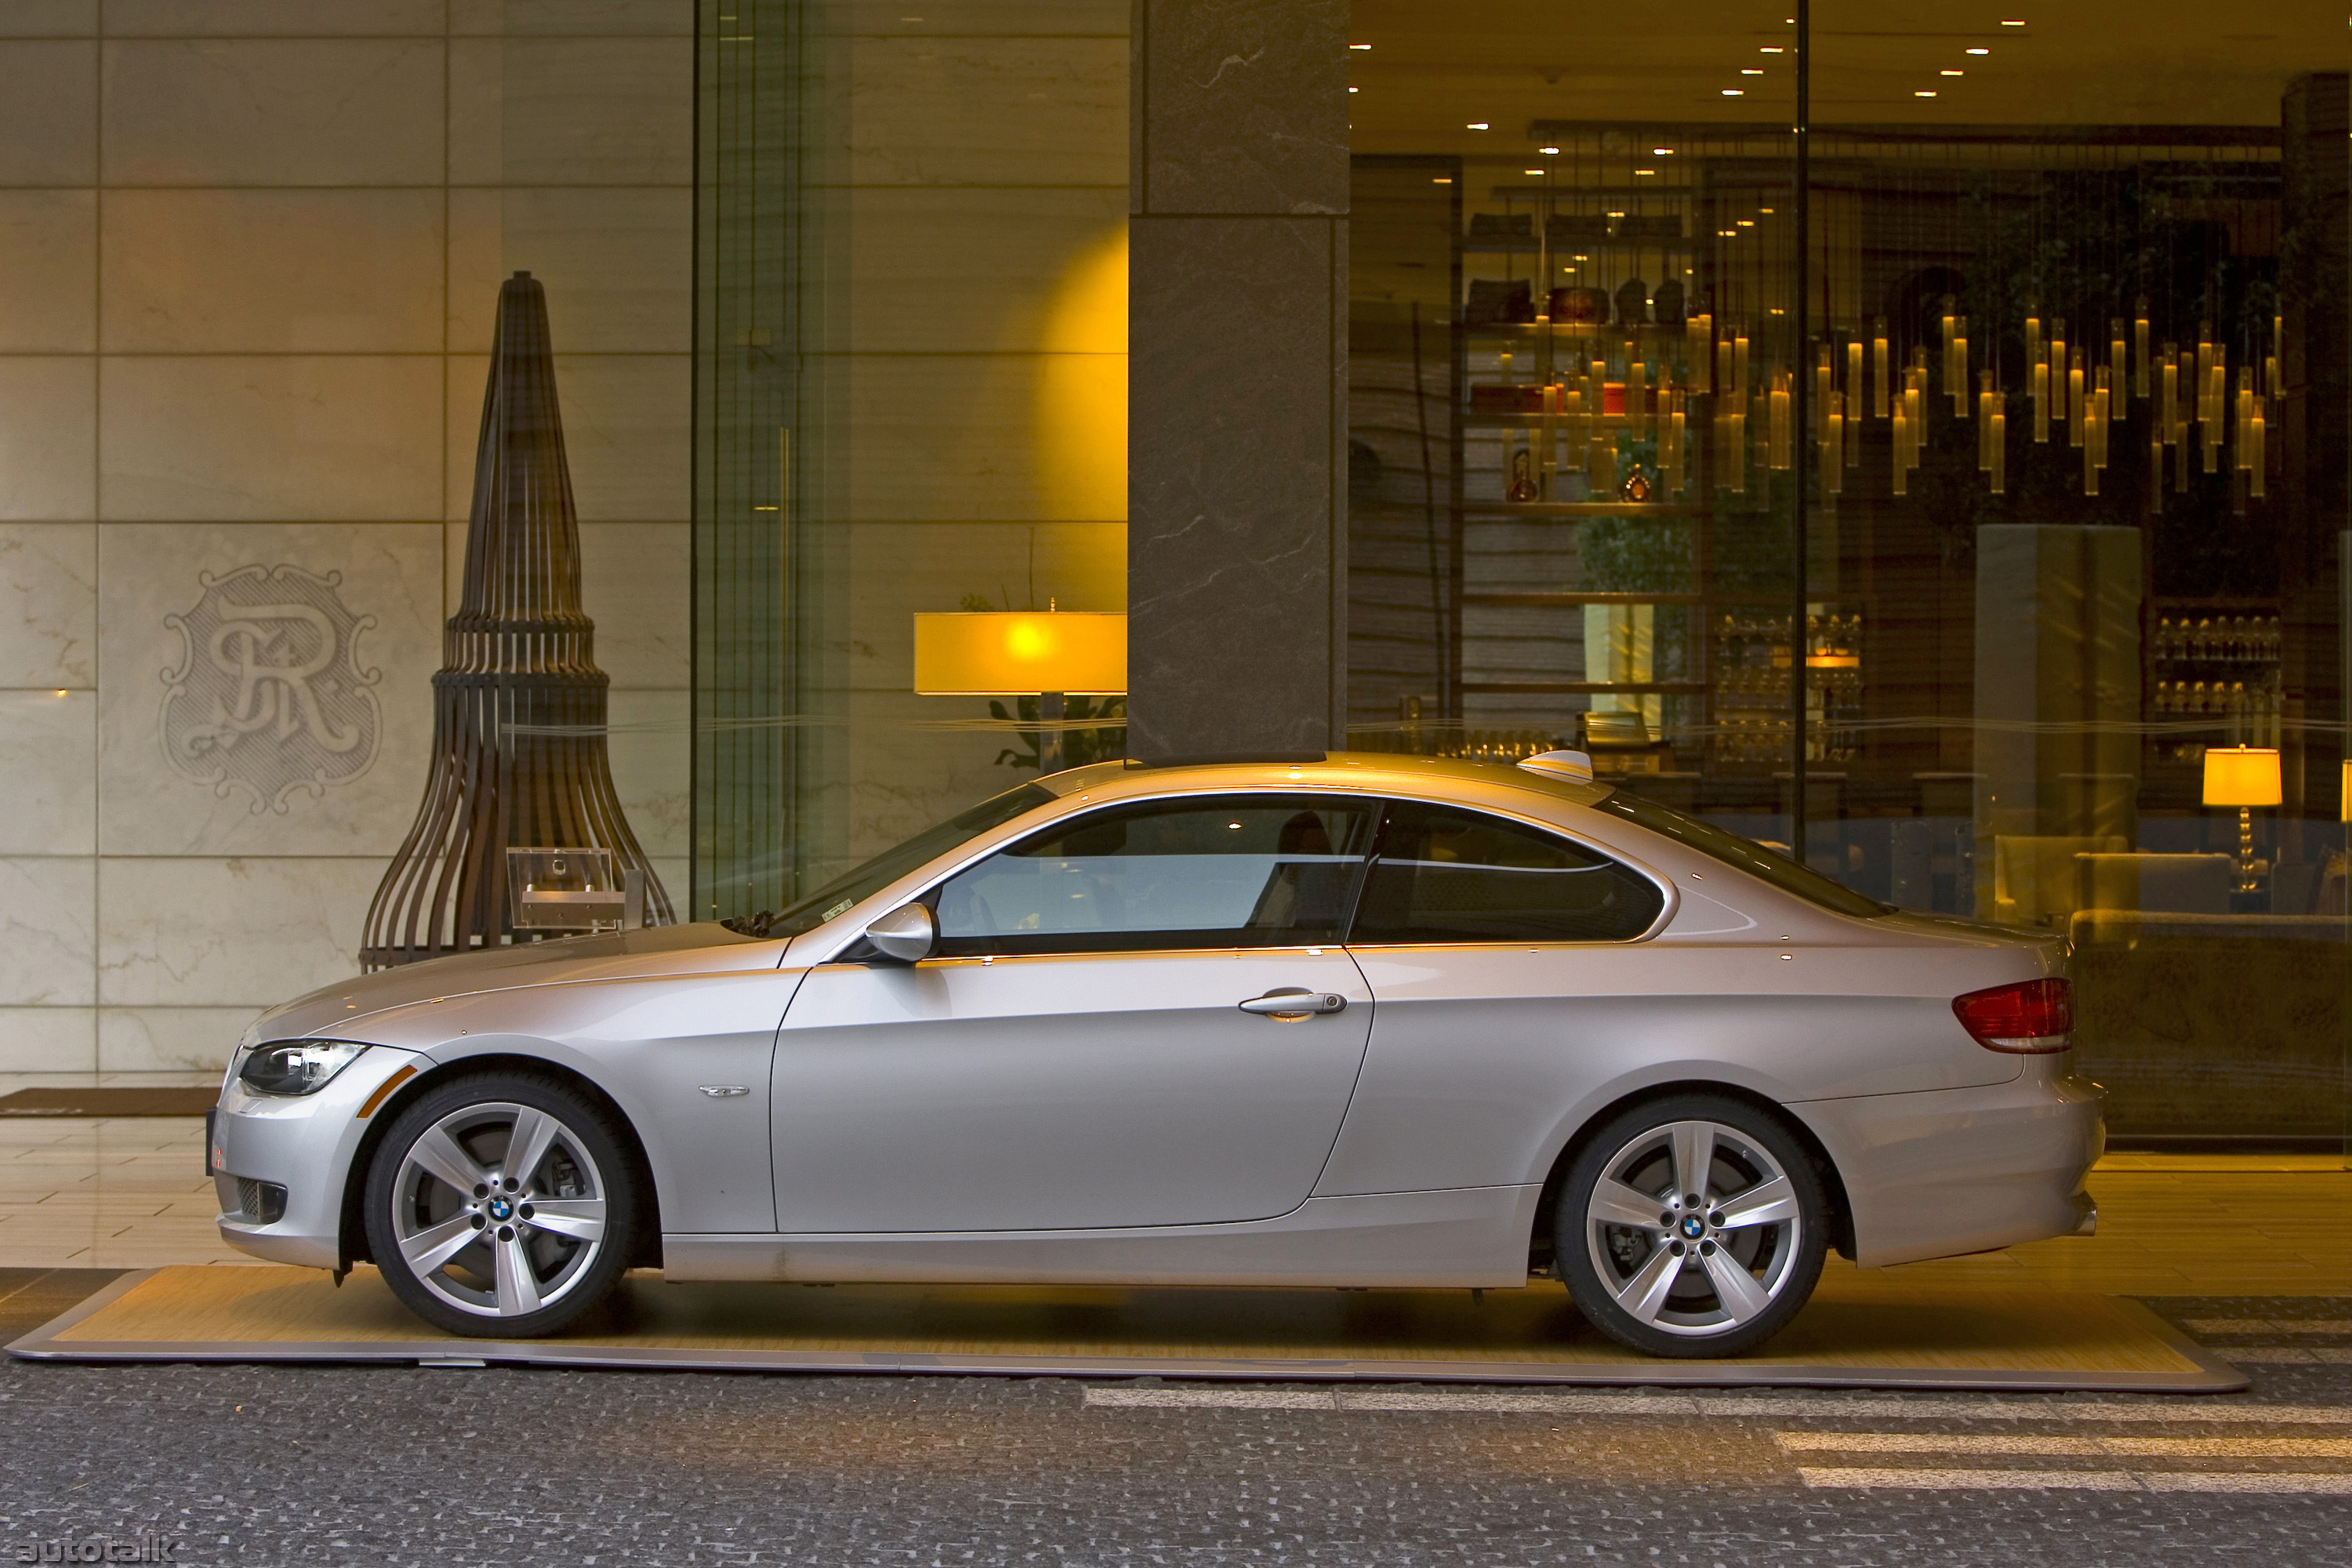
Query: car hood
pixel 658 950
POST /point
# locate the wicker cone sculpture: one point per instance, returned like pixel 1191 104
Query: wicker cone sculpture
pixel 519 757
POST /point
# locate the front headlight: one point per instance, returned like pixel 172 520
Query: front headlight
pixel 296 1067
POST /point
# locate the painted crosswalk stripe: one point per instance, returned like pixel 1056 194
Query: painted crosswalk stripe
pixel 2104 1446
pixel 2270 1482
pixel 1959 1480
pixel 2267 1325
pixel 1478 1401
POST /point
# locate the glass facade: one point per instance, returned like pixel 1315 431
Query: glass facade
pixel 911 397
pixel 1938 478
pixel 1917 444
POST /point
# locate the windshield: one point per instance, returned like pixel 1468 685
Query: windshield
pixel 886 868
pixel 1745 853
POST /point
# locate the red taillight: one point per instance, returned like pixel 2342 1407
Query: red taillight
pixel 2032 1018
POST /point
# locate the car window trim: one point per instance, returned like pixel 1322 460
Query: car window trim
pixel 930 886
pixel 1670 897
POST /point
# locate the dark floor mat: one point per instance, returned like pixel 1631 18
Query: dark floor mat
pixel 109 1101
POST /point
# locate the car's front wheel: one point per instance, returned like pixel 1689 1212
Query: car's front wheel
pixel 501 1206
pixel 1692 1227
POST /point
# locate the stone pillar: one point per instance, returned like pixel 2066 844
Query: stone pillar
pixel 1237 372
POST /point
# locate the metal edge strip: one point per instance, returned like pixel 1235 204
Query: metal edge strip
pixel 35 1345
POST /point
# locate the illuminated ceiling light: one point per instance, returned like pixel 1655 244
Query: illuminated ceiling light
pixel 1924 93
pixel 1729 233
pixel 1766 211
pixel 1443 180
pixel 1359 45
pixel 1355 89
pixel 1769 49
pixel 1979 51
pixel 1616 214
pixel 1745 222
pixel 1531 171
pixel 1581 259
pixel 1948 71
pixel 1640 171
pixel 1751 70
pixel 2009 24
pixel 1479 125
pixel 1548 152
pixel 1662 152
pixel 1734 92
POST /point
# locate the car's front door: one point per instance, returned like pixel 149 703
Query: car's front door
pixel 1077 1055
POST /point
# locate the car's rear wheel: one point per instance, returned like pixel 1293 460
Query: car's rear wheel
pixel 1692 1227
pixel 501 1206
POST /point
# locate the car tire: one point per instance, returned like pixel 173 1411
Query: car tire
pixel 486 1252
pixel 1675 1263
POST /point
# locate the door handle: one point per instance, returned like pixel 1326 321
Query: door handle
pixel 1290 1004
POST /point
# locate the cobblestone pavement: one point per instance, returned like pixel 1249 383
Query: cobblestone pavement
pixel 298 1465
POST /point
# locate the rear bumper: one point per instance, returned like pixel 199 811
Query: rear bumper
pixel 1964 1170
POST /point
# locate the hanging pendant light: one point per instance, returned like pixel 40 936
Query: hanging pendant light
pixel 2038 383
pixel 1996 422
pixel 1779 427
pixel 2139 350
pixel 2258 440
pixel 2077 392
pixel 2167 407
pixel 1833 446
pixel 1984 421
pixel 1699 347
pixel 2118 365
pixel 2058 410
pixel 1902 451
pixel 1956 370
pixel 1853 382
pixel 1882 364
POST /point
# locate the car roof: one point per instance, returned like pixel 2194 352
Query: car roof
pixel 1378 772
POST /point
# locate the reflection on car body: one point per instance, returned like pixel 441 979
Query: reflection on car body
pixel 1374 1020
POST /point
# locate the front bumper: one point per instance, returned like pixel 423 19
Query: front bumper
pixel 304 1143
pixel 1956 1171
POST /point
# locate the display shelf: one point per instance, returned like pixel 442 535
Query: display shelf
pixel 1491 511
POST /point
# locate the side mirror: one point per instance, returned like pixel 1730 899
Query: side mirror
pixel 906 935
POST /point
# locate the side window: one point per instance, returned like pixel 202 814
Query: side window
pixel 1229 871
pixel 1442 874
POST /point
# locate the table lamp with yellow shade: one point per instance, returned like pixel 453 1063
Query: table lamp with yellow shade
pixel 1055 653
pixel 2245 777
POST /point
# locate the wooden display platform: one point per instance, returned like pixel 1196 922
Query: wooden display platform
pixel 1860 1330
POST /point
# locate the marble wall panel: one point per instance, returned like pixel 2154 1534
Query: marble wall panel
pixel 651 751
pixel 48 755
pixel 48 240
pixel 980 271
pixel 616 262
pixel 636 581
pixel 244 271
pixel 1231 543
pixel 170 1040
pixel 597 112
pixel 48 438
pixel 48 18
pixel 49 941
pixel 984 110
pixel 254 437
pixel 239 933
pixel 48 605
pixel 476 130
pixel 906 778
pixel 1249 107
pixel 49 1040
pixel 273 18
pixel 48 112
pixel 200 754
pixel 273 112
pixel 953 436
pixel 519 18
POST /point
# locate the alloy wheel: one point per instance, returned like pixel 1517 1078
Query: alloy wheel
pixel 1695 1228
pixel 498 1209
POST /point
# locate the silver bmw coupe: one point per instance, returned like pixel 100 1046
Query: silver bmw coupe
pixel 1366 1020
